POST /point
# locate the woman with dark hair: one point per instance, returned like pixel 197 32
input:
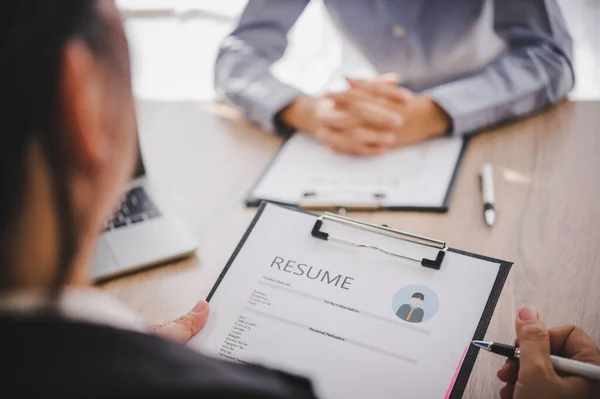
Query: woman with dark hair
pixel 67 151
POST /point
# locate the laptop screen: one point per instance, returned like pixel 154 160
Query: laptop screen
pixel 139 169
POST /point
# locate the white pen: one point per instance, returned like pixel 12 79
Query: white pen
pixel 487 191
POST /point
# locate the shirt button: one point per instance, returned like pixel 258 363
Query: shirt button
pixel 399 31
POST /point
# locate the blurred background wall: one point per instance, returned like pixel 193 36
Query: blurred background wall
pixel 174 44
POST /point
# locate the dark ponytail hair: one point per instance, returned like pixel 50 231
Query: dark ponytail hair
pixel 33 36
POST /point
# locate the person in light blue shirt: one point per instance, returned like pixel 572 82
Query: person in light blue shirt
pixel 447 67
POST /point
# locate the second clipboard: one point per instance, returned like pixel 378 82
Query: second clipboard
pixel 306 174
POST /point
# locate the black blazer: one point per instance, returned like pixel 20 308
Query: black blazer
pixel 63 359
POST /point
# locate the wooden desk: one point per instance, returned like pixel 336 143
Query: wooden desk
pixel 548 212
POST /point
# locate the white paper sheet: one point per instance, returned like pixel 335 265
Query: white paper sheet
pixel 343 329
pixel 414 176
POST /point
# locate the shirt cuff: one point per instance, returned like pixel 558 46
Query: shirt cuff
pixel 271 97
pixel 465 120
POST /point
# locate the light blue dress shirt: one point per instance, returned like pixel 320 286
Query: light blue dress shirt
pixel 482 61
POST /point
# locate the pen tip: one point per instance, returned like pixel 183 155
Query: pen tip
pixel 490 217
pixel 481 344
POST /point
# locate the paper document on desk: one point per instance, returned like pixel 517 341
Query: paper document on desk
pixel 305 172
pixel 358 322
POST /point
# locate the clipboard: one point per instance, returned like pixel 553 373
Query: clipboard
pixel 435 263
pixel 368 201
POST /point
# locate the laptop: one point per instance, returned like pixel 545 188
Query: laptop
pixel 142 233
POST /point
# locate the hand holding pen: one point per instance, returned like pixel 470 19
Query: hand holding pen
pixel 533 376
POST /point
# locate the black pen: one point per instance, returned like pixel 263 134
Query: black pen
pixel 574 367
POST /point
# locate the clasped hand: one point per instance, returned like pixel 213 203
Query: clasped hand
pixel 371 118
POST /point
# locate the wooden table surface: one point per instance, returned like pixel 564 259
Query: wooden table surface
pixel 547 175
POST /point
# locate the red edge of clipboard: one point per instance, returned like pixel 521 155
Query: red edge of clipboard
pixel 449 392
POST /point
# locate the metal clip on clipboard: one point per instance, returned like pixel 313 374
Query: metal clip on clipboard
pixel 311 201
pixel 386 231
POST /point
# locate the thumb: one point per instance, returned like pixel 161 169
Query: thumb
pixel 534 344
pixel 184 327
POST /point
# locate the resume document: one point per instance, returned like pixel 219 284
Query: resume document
pixel 358 322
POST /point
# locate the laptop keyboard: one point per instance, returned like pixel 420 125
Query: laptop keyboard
pixel 136 208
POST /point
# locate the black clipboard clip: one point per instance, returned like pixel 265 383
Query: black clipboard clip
pixel 386 231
